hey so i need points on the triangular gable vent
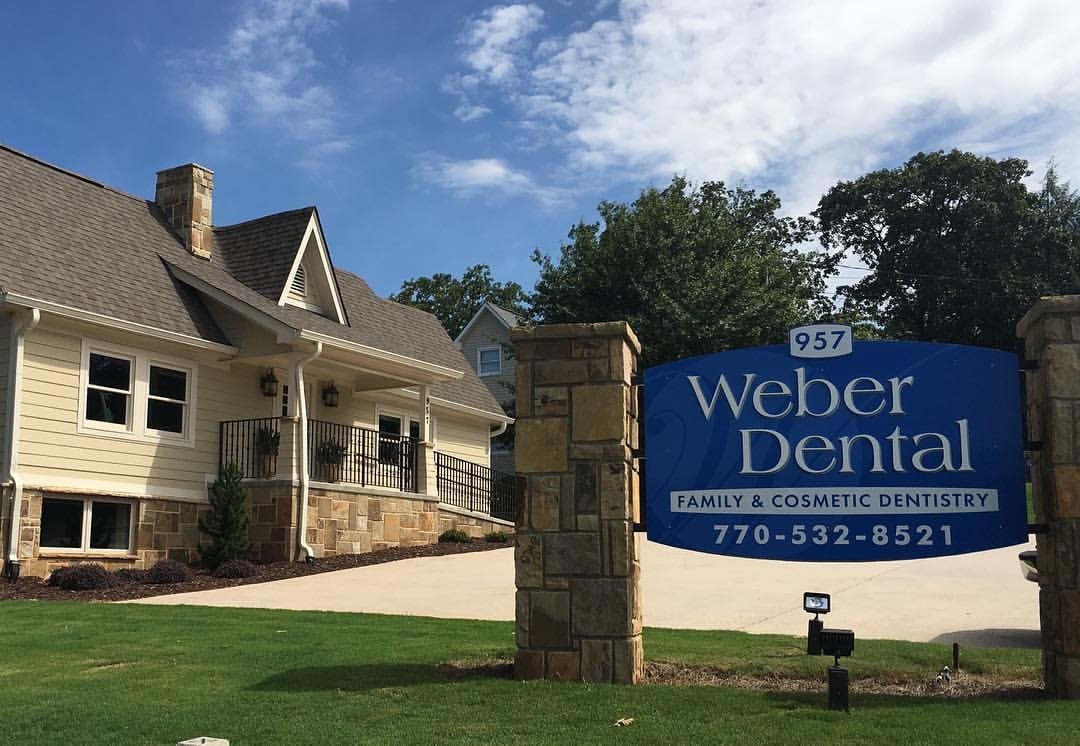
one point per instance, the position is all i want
(299, 283)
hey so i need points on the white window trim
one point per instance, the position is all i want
(479, 353)
(136, 428)
(406, 418)
(84, 548)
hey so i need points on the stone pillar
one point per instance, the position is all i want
(577, 559)
(1051, 334)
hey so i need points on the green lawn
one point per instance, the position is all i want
(96, 673)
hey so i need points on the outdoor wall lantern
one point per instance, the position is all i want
(268, 383)
(330, 395)
(834, 642)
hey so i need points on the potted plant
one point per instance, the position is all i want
(267, 441)
(330, 454)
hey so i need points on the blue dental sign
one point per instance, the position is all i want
(826, 449)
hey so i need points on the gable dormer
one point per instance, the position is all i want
(284, 258)
(310, 283)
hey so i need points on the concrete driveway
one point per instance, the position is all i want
(975, 599)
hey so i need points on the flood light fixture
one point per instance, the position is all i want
(815, 603)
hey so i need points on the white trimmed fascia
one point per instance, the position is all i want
(111, 322)
(453, 406)
(438, 372)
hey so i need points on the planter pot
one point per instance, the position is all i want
(268, 465)
(332, 472)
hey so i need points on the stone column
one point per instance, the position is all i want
(1051, 333)
(577, 558)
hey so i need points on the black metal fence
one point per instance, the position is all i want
(464, 484)
(250, 444)
(356, 455)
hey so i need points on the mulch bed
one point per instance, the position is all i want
(31, 588)
(961, 685)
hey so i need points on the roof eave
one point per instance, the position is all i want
(423, 371)
(58, 309)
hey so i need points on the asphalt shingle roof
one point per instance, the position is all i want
(260, 252)
(509, 318)
(69, 240)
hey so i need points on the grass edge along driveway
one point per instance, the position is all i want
(89, 673)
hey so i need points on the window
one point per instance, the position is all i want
(128, 394)
(167, 401)
(86, 525)
(108, 389)
(390, 437)
(489, 361)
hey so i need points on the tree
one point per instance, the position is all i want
(226, 523)
(454, 302)
(693, 269)
(957, 246)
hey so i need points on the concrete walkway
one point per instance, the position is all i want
(975, 599)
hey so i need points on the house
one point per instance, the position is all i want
(142, 348)
(485, 343)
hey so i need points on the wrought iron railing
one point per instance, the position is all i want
(356, 455)
(250, 444)
(464, 484)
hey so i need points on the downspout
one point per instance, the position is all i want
(21, 325)
(502, 429)
(301, 398)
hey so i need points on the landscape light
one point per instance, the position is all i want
(834, 642)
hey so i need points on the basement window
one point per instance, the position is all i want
(86, 525)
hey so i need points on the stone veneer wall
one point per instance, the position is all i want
(577, 570)
(340, 521)
(165, 529)
(348, 521)
(1051, 333)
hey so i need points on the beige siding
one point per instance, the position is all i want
(455, 434)
(54, 453)
(5, 333)
(487, 332)
(462, 438)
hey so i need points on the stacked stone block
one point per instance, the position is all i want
(1051, 334)
(577, 564)
(339, 522)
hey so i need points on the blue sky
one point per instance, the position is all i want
(433, 136)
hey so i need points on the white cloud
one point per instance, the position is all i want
(496, 47)
(482, 176)
(495, 40)
(794, 94)
(471, 112)
(265, 75)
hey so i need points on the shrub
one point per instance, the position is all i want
(168, 571)
(330, 452)
(496, 537)
(84, 577)
(267, 441)
(455, 535)
(129, 575)
(227, 522)
(236, 568)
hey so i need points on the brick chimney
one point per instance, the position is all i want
(185, 194)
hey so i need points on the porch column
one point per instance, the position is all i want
(426, 482)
